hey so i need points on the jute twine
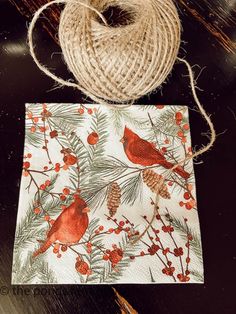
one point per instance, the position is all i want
(117, 65)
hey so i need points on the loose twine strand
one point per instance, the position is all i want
(116, 66)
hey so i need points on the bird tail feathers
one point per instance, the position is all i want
(43, 248)
(179, 170)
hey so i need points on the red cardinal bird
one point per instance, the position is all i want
(140, 151)
(69, 227)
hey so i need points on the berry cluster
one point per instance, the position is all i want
(82, 267)
(82, 109)
(182, 127)
(114, 256)
(190, 202)
(157, 248)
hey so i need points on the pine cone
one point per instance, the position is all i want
(113, 198)
(154, 182)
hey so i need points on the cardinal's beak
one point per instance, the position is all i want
(85, 210)
(122, 140)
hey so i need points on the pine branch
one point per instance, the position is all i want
(94, 259)
(195, 244)
(33, 225)
(122, 117)
(132, 189)
(151, 275)
(60, 112)
(165, 125)
(99, 125)
(69, 139)
(94, 193)
(33, 139)
(31, 270)
(129, 248)
(197, 275)
(146, 107)
(109, 168)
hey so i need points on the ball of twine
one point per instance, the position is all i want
(116, 64)
(122, 63)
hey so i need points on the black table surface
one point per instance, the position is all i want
(21, 82)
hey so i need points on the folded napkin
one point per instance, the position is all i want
(88, 190)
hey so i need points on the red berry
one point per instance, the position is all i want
(62, 197)
(178, 116)
(26, 165)
(105, 257)
(166, 251)
(181, 204)
(47, 182)
(184, 139)
(186, 127)
(66, 191)
(42, 187)
(121, 223)
(89, 250)
(53, 134)
(159, 106)
(180, 134)
(42, 129)
(90, 111)
(92, 138)
(37, 211)
(47, 217)
(188, 260)
(70, 160)
(101, 228)
(187, 196)
(115, 256)
(190, 237)
(81, 111)
(188, 206)
(30, 115)
(33, 129)
(178, 251)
